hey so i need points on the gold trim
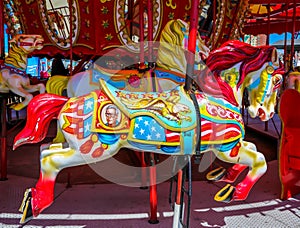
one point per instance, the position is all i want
(221, 142)
(106, 129)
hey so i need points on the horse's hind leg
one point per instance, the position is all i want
(53, 160)
(226, 175)
(230, 174)
(246, 156)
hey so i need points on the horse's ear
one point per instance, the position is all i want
(15, 39)
(12, 40)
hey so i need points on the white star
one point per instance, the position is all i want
(153, 128)
(89, 104)
(86, 127)
(146, 122)
(136, 125)
(148, 137)
(133, 136)
(157, 135)
(140, 118)
(142, 131)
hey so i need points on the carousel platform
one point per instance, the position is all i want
(111, 205)
(83, 199)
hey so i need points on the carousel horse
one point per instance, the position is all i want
(13, 72)
(161, 122)
(171, 57)
(293, 80)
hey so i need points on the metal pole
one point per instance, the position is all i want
(285, 39)
(268, 30)
(141, 20)
(71, 36)
(293, 34)
(268, 42)
(3, 140)
(2, 54)
(153, 192)
(150, 31)
(191, 45)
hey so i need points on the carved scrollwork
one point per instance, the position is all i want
(56, 21)
(127, 21)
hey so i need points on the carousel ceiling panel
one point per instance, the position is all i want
(90, 27)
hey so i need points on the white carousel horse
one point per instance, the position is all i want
(144, 118)
(13, 72)
(171, 57)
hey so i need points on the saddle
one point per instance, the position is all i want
(173, 109)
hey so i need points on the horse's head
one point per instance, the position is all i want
(28, 43)
(262, 88)
(174, 44)
(236, 66)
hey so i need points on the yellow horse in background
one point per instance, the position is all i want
(13, 72)
(170, 57)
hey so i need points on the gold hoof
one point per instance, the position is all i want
(216, 174)
(225, 194)
(26, 209)
(25, 198)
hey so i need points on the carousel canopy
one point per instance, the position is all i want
(94, 27)
(272, 16)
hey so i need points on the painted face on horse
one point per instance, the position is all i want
(263, 90)
(28, 43)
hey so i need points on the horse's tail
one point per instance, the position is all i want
(57, 84)
(40, 111)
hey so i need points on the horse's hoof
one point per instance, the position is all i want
(17, 107)
(225, 194)
(27, 194)
(26, 209)
(216, 174)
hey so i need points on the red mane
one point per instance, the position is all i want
(225, 57)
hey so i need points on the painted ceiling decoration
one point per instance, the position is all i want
(94, 27)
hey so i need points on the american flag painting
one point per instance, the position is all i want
(146, 128)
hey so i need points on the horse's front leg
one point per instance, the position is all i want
(245, 156)
(23, 88)
(33, 88)
(16, 87)
(53, 159)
